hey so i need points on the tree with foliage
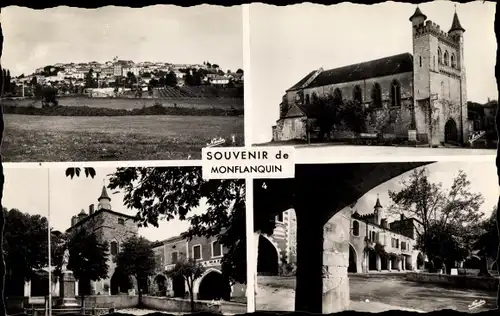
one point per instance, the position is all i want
(138, 259)
(437, 211)
(189, 270)
(171, 79)
(487, 241)
(57, 247)
(89, 79)
(25, 248)
(239, 71)
(88, 257)
(49, 96)
(182, 190)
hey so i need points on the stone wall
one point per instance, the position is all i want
(178, 305)
(460, 281)
(110, 230)
(291, 129)
(111, 301)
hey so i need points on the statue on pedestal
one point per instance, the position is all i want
(67, 284)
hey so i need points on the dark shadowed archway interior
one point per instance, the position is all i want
(160, 285)
(214, 286)
(120, 282)
(450, 132)
(178, 286)
(267, 258)
(352, 260)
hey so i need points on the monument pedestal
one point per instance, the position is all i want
(67, 292)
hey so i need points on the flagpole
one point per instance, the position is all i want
(49, 246)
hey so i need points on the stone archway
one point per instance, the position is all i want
(160, 285)
(353, 259)
(214, 286)
(178, 286)
(120, 282)
(267, 258)
(451, 132)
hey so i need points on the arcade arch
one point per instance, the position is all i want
(214, 286)
(267, 257)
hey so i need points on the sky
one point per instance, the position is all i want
(27, 189)
(288, 42)
(483, 178)
(163, 33)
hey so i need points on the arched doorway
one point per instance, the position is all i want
(40, 283)
(160, 285)
(267, 258)
(178, 286)
(451, 132)
(352, 260)
(214, 286)
(120, 282)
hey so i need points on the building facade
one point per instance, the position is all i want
(420, 97)
(110, 226)
(209, 253)
(374, 244)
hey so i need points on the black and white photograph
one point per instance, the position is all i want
(383, 79)
(118, 83)
(128, 240)
(374, 237)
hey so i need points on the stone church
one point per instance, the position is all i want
(418, 98)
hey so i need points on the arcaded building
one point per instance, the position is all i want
(420, 96)
(209, 253)
(375, 244)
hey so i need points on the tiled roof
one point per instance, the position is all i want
(301, 82)
(456, 26)
(370, 69)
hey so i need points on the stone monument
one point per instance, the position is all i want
(67, 282)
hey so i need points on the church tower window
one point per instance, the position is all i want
(440, 56)
(445, 57)
(337, 96)
(420, 60)
(453, 61)
(357, 94)
(395, 93)
(377, 96)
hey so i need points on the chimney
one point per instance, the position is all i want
(74, 220)
(91, 209)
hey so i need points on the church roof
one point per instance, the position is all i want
(299, 84)
(104, 194)
(370, 69)
(455, 25)
(418, 14)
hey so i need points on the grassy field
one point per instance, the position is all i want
(30, 138)
(134, 103)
